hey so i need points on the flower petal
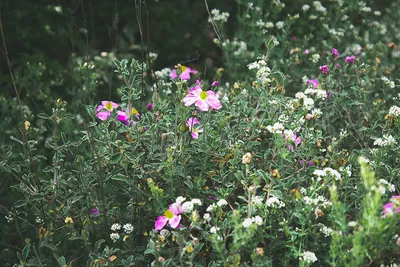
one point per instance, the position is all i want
(202, 105)
(185, 75)
(174, 222)
(160, 223)
(103, 115)
(173, 74)
(190, 99)
(213, 101)
(176, 208)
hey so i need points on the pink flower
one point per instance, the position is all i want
(294, 38)
(350, 60)
(203, 99)
(215, 83)
(306, 52)
(103, 111)
(324, 69)
(335, 53)
(314, 83)
(337, 65)
(388, 208)
(194, 131)
(122, 116)
(185, 75)
(150, 107)
(171, 216)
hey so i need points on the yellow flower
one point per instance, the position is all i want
(69, 220)
(27, 125)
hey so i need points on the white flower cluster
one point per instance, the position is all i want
(275, 203)
(390, 187)
(327, 172)
(263, 71)
(326, 231)
(188, 206)
(308, 102)
(279, 25)
(315, 58)
(214, 229)
(318, 7)
(395, 111)
(163, 74)
(320, 200)
(249, 221)
(319, 93)
(308, 257)
(276, 128)
(315, 114)
(388, 82)
(257, 200)
(128, 228)
(386, 140)
(219, 17)
(153, 56)
(114, 236)
(115, 227)
(305, 8)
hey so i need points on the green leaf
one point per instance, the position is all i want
(98, 244)
(44, 116)
(120, 177)
(115, 158)
(25, 252)
(264, 175)
(20, 204)
(16, 140)
(189, 184)
(61, 260)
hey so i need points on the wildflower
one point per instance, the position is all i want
(247, 222)
(115, 227)
(114, 236)
(337, 65)
(324, 69)
(68, 220)
(187, 206)
(305, 7)
(313, 82)
(222, 202)
(350, 60)
(197, 201)
(306, 52)
(246, 158)
(207, 217)
(103, 111)
(125, 238)
(259, 251)
(215, 83)
(149, 107)
(122, 116)
(202, 99)
(194, 131)
(335, 52)
(185, 75)
(180, 199)
(95, 212)
(258, 220)
(27, 125)
(308, 257)
(171, 216)
(391, 207)
(214, 229)
(128, 228)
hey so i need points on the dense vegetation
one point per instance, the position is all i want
(199, 133)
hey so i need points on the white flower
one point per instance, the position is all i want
(258, 220)
(114, 237)
(279, 25)
(275, 203)
(222, 202)
(269, 25)
(386, 140)
(214, 229)
(115, 227)
(308, 257)
(352, 224)
(128, 228)
(315, 58)
(247, 222)
(207, 217)
(308, 103)
(197, 201)
(326, 231)
(276, 128)
(180, 199)
(257, 200)
(395, 111)
(319, 173)
(212, 207)
(187, 206)
(305, 8)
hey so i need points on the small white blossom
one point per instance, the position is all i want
(128, 228)
(180, 199)
(222, 202)
(308, 257)
(115, 227)
(207, 217)
(247, 222)
(258, 220)
(187, 206)
(214, 229)
(114, 236)
(197, 201)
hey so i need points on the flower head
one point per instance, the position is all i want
(194, 131)
(350, 59)
(171, 216)
(95, 211)
(185, 74)
(313, 82)
(150, 107)
(202, 99)
(335, 53)
(103, 111)
(324, 69)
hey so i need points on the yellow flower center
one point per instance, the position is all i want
(135, 111)
(109, 106)
(203, 95)
(168, 214)
(183, 68)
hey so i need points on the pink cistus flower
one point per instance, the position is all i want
(122, 116)
(306, 52)
(391, 207)
(191, 124)
(335, 53)
(215, 83)
(294, 138)
(350, 59)
(185, 74)
(324, 69)
(313, 82)
(202, 99)
(103, 111)
(171, 216)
